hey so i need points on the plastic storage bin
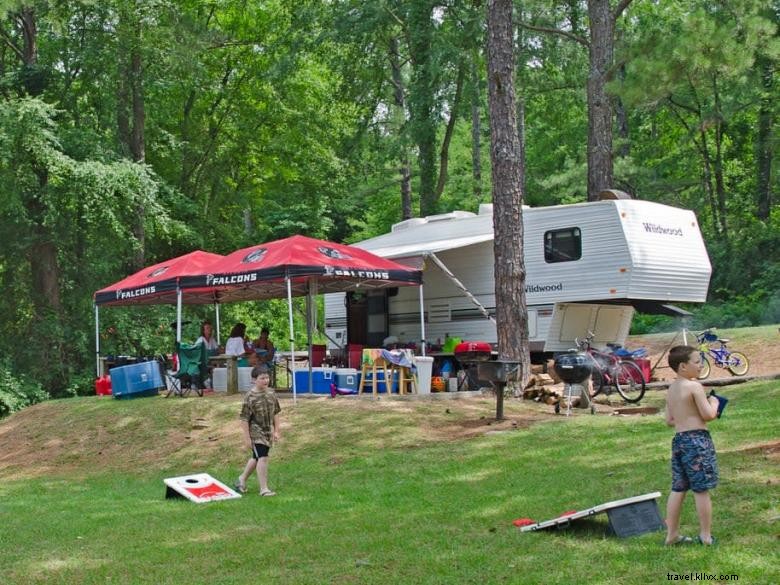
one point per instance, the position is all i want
(219, 379)
(136, 380)
(322, 378)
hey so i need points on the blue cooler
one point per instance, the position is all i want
(322, 378)
(380, 382)
(347, 379)
(136, 380)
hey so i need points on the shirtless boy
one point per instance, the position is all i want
(694, 465)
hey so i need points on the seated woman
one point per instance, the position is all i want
(207, 338)
(237, 344)
(264, 348)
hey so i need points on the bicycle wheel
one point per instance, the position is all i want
(630, 382)
(597, 378)
(704, 372)
(738, 363)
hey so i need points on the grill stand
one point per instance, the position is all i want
(497, 373)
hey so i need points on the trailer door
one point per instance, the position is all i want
(367, 319)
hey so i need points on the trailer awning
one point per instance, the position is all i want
(422, 249)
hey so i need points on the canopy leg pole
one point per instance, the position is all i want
(308, 337)
(97, 341)
(422, 321)
(216, 315)
(292, 339)
(178, 315)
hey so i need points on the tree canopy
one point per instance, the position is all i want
(132, 131)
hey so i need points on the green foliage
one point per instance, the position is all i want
(17, 391)
(267, 119)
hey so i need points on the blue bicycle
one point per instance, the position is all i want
(735, 362)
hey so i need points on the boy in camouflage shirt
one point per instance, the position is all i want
(260, 424)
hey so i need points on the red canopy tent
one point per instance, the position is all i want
(262, 271)
(298, 266)
(157, 284)
(293, 266)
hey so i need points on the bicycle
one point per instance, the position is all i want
(609, 371)
(735, 362)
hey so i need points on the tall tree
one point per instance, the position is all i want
(131, 109)
(700, 79)
(509, 266)
(765, 150)
(600, 44)
(422, 99)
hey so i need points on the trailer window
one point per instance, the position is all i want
(562, 245)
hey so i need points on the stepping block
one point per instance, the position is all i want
(627, 517)
(199, 488)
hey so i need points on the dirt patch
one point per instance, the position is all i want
(764, 357)
(471, 427)
(770, 450)
(51, 439)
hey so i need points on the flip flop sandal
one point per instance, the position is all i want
(681, 540)
(240, 487)
(267, 493)
(712, 542)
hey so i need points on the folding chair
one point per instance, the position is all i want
(192, 372)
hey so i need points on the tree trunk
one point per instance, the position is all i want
(707, 178)
(131, 113)
(509, 267)
(621, 116)
(520, 106)
(599, 104)
(476, 130)
(421, 101)
(400, 103)
(29, 25)
(138, 140)
(44, 266)
(720, 186)
(445, 143)
(764, 145)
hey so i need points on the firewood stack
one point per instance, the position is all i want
(545, 386)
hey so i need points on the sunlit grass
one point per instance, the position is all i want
(378, 492)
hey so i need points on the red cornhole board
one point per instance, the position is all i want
(628, 517)
(199, 488)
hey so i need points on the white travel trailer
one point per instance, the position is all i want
(589, 266)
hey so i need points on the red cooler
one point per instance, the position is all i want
(354, 355)
(317, 355)
(644, 365)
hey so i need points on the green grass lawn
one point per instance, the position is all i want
(367, 496)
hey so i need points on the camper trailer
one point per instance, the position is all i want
(589, 267)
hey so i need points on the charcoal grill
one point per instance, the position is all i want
(475, 356)
(574, 368)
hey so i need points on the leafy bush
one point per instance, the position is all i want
(18, 391)
(644, 324)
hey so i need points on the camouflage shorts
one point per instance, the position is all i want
(694, 465)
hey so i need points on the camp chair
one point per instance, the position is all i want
(192, 372)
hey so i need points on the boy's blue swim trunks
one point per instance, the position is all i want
(694, 465)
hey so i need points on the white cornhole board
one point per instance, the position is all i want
(627, 517)
(199, 488)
